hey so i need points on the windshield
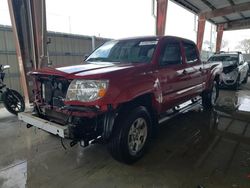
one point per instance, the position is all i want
(224, 58)
(135, 51)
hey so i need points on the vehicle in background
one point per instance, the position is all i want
(12, 100)
(122, 92)
(235, 68)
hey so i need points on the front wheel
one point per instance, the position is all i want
(131, 136)
(13, 101)
(210, 97)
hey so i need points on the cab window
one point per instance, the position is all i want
(191, 52)
(171, 54)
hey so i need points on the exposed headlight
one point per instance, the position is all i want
(86, 90)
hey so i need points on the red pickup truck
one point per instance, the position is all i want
(120, 91)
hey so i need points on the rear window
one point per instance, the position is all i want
(191, 52)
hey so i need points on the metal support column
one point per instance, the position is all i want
(161, 17)
(220, 29)
(200, 33)
(28, 19)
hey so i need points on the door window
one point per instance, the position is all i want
(191, 52)
(171, 54)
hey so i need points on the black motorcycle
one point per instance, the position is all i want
(12, 100)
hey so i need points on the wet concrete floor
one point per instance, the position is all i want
(206, 149)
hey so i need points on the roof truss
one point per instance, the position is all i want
(236, 8)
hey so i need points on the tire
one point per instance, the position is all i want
(122, 143)
(245, 79)
(13, 101)
(210, 97)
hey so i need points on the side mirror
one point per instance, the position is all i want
(6, 67)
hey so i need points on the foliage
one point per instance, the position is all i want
(244, 45)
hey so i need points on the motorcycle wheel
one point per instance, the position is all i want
(13, 101)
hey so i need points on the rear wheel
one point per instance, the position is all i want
(131, 136)
(13, 101)
(210, 97)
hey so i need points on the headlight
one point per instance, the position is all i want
(232, 75)
(86, 90)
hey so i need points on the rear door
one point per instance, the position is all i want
(194, 68)
(172, 75)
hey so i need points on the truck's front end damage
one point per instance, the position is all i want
(86, 98)
(54, 113)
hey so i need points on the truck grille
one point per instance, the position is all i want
(54, 91)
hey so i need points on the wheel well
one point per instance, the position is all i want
(217, 78)
(143, 100)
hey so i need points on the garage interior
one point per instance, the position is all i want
(195, 149)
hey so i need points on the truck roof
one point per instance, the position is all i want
(173, 38)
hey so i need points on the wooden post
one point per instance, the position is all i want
(220, 29)
(200, 33)
(161, 17)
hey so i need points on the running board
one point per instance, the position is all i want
(182, 108)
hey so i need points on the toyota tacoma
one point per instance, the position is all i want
(119, 93)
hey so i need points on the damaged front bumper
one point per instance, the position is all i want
(76, 128)
(228, 79)
(53, 128)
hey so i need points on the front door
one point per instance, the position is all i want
(172, 74)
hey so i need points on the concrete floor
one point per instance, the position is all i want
(191, 150)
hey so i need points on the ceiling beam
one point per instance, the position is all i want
(237, 24)
(232, 3)
(187, 5)
(226, 10)
(208, 4)
(213, 8)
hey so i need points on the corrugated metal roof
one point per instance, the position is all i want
(201, 6)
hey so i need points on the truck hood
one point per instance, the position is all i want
(86, 69)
